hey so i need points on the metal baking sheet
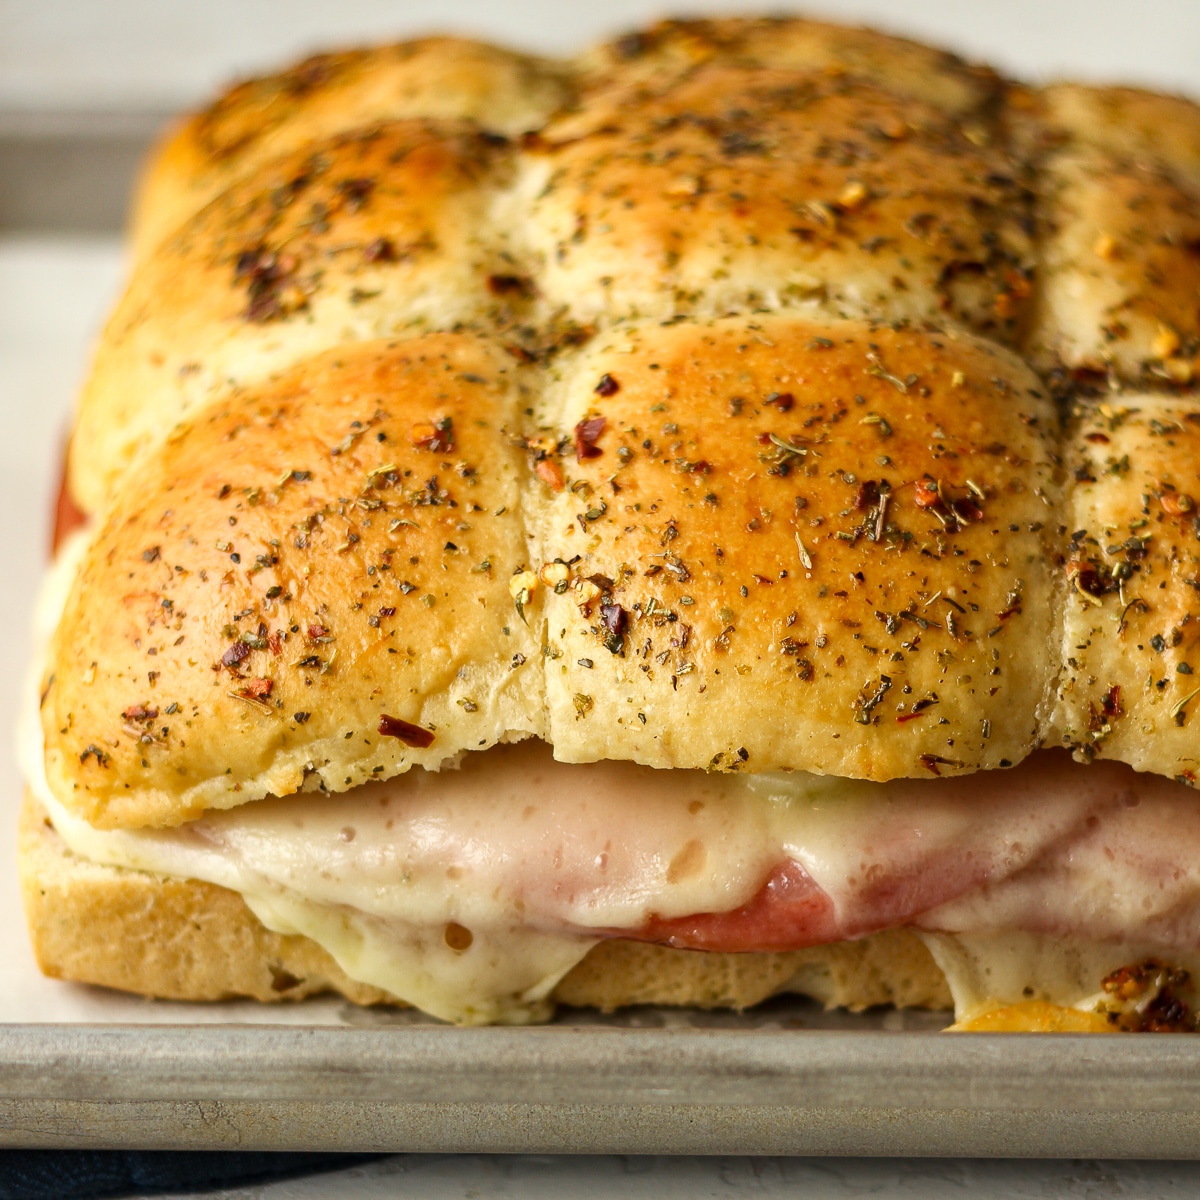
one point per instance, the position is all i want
(82, 1067)
(71, 171)
(591, 1088)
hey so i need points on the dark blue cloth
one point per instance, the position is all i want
(91, 1174)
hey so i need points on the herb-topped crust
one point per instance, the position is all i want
(1130, 685)
(309, 586)
(370, 234)
(439, 77)
(761, 481)
(789, 543)
(738, 187)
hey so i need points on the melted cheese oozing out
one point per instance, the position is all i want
(537, 859)
(471, 892)
(993, 969)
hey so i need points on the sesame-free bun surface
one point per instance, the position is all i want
(717, 165)
(443, 78)
(1130, 684)
(298, 563)
(747, 187)
(787, 544)
(1119, 214)
(824, 545)
(377, 233)
(707, 213)
(504, 92)
(647, 58)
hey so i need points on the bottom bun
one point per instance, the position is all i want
(186, 940)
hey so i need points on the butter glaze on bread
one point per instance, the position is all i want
(1131, 641)
(888, 537)
(371, 234)
(444, 78)
(301, 561)
(1117, 207)
(757, 504)
(749, 187)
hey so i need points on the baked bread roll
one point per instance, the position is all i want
(787, 427)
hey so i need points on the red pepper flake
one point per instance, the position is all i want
(235, 654)
(548, 472)
(1176, 504)
(904, 718)
(613, 617)
(380, 250)
(953, 513)
(520, 353)
(926, 493)
(867, 495)
(409, 734)
(510, 285)
(586, 434)
(437, 436)
(607, 386)
(1100, 439)
(784, 401)
(388, 611)
(257, 689)
(931, 762)
(1112, 701)
(355, 192)
(318, 633)
(1089, 581)
(966, 510)
(275, 641)
(139, 712)
(265, 275)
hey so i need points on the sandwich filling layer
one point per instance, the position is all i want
(471, 892)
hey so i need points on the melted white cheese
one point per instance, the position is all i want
(993, 969)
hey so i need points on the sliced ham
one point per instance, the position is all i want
(717, 862)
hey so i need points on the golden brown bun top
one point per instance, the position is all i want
(440, 77)
(507, 93)
(293, 567)
(908, 67)
(746, 544)
(724, 166)
(372, 233)
(1119, 207)
(1130, 686)
(826, 545)
(763, 480)
(737, 187)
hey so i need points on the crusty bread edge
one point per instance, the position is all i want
(185, 940)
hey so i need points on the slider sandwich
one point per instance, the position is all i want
(711, 518)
